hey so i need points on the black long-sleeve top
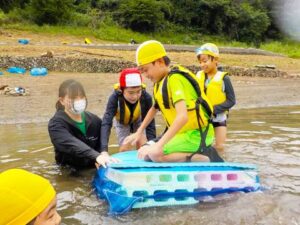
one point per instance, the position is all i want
(111, 110)
(71, 146)
(230, 97)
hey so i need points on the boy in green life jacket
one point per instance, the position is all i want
(176, 93)
(218, 88)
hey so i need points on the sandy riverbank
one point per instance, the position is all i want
(39, 105)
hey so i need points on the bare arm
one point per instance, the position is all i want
(132, 139)
(180, 120)
(149, 117)
(156, 150)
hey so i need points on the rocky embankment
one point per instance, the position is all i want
(96, 65)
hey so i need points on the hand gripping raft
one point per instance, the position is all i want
(134, 183)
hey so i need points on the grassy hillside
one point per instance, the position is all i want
(116, 34)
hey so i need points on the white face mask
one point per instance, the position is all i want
(78, 106)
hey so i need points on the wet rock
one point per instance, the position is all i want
(48, 54)
(266, 66)
(2, 87)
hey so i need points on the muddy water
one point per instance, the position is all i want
(268, 137)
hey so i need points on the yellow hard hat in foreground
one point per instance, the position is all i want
(23, 196)
(149, 51)
(208, 49)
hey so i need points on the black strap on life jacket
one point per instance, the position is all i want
(205, 79)
(200, 102)
(175, 70)
(194, 83)
(202, 147)
(208, 151)
(122, 102)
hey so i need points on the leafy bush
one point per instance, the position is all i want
(140, 15)
(16, 15)
(249, 21)
(252, 23)
(239, 20)
(107, 4)
(79, 19)
(50, 11)
(8, 5)
(2, 17)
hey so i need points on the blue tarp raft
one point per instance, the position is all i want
(134, 183)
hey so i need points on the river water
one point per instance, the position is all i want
(267, 137)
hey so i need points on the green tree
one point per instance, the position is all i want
(7, 5)
(50, 11)
(111, 5)
(252, 23)
(273, 31)
(245, 20)
(140, 15)
(185, 12)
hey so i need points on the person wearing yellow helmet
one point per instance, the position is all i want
(218, 88)
(26, 198)
(177, 95)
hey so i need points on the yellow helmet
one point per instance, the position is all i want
(149, 51)
(208, 49)
(23, 196)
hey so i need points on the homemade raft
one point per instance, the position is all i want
(134, 183)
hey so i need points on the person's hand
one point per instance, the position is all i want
(143, 152)
(147, 152)
(104, 159)
(132, 139)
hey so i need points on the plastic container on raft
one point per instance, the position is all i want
(23, 41)
(137, 184)
(42, 71)
(17, 70)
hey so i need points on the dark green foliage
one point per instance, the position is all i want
(140, 15)
(7, 5)
(237, 19)
(250, 21)
(108, 4)
(50, 11)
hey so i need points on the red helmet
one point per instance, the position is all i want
(130, 77)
